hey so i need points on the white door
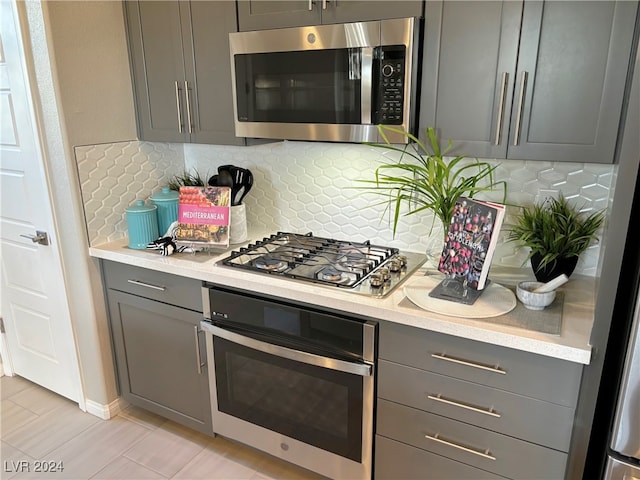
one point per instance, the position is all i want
(39, 336)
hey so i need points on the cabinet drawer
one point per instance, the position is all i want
(164, 287)
(522, 417)
(396, 460)
(525, 373)
(468, 444)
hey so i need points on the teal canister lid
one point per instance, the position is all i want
(142, 224)
(167, 203)
(165, 195)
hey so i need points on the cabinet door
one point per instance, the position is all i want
(160, 355)
(572, 71)
(470, 54)
(155, 44)
(206, 27)
(344, 11)
(262, 15)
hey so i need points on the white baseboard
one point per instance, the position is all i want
(104, 412)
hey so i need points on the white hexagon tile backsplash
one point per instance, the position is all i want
(312, 187)
(113, 176)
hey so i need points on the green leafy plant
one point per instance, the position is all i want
(186, 179)
(424, 179)
(555, 229)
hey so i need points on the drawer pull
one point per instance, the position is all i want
(439, 398)
(148, 285)
(494, 369)
(485, 454)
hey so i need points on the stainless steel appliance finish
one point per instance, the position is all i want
(360, 268)
(291, 380)
(624, 455)
(326, 82)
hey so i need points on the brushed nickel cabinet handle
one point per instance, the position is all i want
(446, 358)
(523, 85)
(503, 91)
(178, 109)
(148, 285)
(188, 102)
(196, 332)
(485, 454)
(310, 5)
(466, 406)
(324, 4)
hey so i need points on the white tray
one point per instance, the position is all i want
(495, 300)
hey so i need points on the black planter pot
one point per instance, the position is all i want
(564, 265)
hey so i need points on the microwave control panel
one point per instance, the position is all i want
(390, 85)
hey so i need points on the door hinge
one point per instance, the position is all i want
(2, 325)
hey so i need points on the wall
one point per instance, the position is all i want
(63, 36)
(310, 186)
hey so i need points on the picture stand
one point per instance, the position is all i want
(455, 289)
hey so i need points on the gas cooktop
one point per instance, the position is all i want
(356, 267)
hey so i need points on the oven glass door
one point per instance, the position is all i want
(308, 86)
(315, 405)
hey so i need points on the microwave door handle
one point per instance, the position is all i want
(361, 369)
(366, 85)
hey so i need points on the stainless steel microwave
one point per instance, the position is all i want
(333, 83)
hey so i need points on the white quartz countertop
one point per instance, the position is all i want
(572, 344)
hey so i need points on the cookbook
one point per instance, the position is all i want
(203, 216)
(471, 240)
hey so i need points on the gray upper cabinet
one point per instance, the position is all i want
(527, 80)
(181, 70)
(261, 15)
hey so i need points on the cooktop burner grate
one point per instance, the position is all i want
(359, 267)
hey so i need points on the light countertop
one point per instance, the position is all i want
(572, 344)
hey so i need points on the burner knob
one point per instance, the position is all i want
(402, 259)
(395, 265)
(384, 272)
(376, 280)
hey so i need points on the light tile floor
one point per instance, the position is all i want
(37, 425)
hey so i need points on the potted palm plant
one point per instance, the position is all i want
(556, 233)
(423, 179)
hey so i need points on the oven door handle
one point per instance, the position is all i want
(361, 369)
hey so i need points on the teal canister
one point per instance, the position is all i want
(142, 224)
(167, 203)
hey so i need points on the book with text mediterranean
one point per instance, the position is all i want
(471, 240)
(203, 216)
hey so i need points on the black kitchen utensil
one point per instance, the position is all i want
(247, 183)
(239, 176)
(229, 172)
(225, 179)
(213, 181)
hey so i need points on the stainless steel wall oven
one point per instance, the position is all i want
(292, 380)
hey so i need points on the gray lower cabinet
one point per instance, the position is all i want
(527, 80)
(159, 348)
(261, 15)
(179, 55)
(453, 408)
